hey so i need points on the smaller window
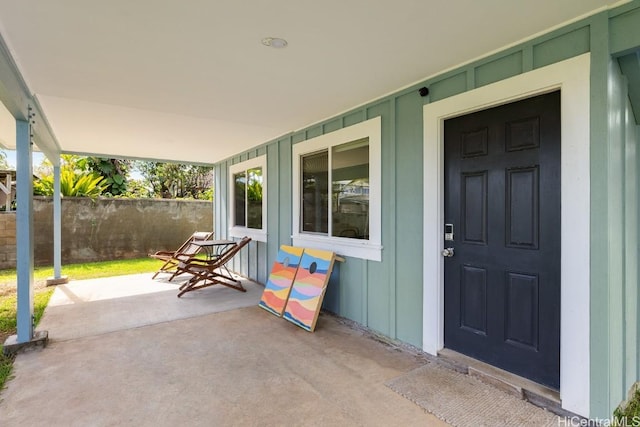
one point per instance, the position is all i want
(247, 210)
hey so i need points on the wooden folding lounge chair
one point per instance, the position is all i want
(212, 272)
(213, 249)
(184, 253)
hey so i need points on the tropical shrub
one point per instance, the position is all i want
(73, 183)
(115, 172)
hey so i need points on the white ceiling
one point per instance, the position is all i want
(190, 80)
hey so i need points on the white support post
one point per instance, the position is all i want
(24, 231)
(57, 225)
(58, 278)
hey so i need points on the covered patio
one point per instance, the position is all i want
(126, 351)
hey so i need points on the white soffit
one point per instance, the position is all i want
(191, 80)
(7, 128)
(115, 130)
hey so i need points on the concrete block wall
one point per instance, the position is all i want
(7, 239)
(106, 229)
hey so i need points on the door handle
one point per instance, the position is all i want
(447, 252)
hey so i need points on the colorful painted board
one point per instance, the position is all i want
(276, 292)
(309, 287)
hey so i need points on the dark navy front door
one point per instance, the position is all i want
(502, 198)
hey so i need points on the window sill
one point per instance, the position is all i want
(345, 247)
(240, 232)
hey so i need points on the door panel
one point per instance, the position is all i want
(522, 310)
(474, 207)
(474, 289)
(502, 193)
(522, 207)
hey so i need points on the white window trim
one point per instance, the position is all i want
(572, 77)
(367, 249)
(240, 231)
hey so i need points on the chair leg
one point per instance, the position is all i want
(193, 285)
(166, 268)
(237, 285)
(189, 284)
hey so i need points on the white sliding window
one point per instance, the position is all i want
(336, 180)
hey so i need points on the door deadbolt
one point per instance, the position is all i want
(448, 232)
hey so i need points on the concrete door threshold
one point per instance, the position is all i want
(508, 382)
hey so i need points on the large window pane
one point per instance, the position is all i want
(240, 180)
(254, 198)
(350, 189)
(315, 192)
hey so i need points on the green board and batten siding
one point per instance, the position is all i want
(387, 296)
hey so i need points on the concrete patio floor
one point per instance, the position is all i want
(126, 351)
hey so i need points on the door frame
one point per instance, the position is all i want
(572, 78)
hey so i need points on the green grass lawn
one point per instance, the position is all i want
(90, 270)
(8, 310)
(8, 325)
